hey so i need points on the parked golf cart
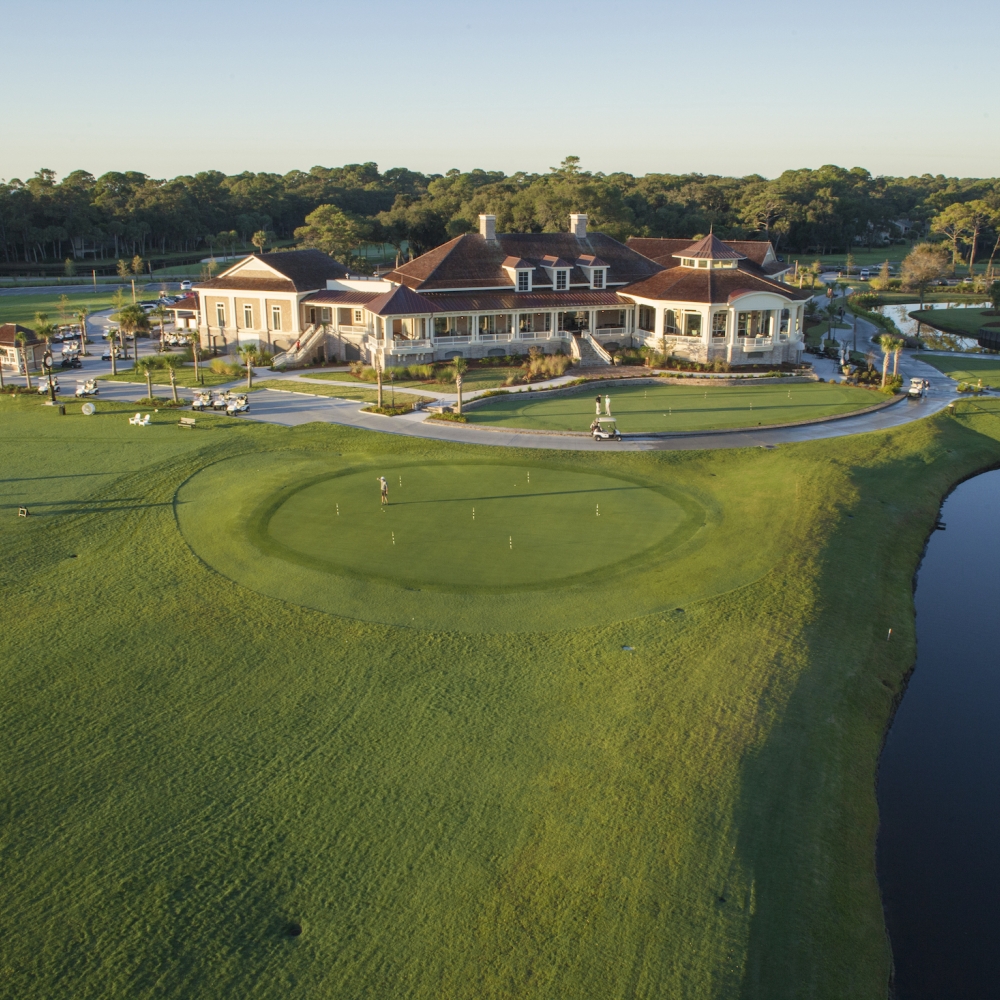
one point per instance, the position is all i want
(71, 362)
(238, 404)
(88, 388)
(221, 401)
(605, 429)
(43, 384)
(202, 401)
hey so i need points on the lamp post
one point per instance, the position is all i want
(47, 366)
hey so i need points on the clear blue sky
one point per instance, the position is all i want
(716, 86)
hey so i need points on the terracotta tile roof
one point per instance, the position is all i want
(686, 284)
(710, 248)
(524, 301)
(589, 260)
(663, 251)
(9, 332)
(469, 261)
(306, 270)
(550, 261)
(517, 263)
(342, 297)
(187, 304)
(401, 301)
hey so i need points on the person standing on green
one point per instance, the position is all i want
(383, 489)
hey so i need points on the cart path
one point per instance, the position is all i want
(291, 408)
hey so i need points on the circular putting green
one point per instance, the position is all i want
(473, 546)
(669, 405)
(456, 527)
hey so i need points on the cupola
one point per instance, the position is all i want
(709, 253)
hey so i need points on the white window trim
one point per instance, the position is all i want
(276, 318)
(523, 276)
(247, 311)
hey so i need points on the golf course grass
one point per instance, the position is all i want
(183, 376)
(359, 392)
(22, 308)
(963, 368)
(472, 381)
(670, 406)
(222, 778)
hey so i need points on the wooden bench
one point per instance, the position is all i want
(187, 422)
(22, 511)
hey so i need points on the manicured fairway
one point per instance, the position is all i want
(963, 322)
(22, 308)
(360, 392)
(964, 368)
(641, 765)
(676, 407)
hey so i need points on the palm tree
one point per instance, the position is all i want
(378, 378)
(81, 317)
(249, 355)
(160, 312)
(888, 344)
(193, 339)
(22, 341)
(461, 367)
(896, 351)
(131, 320)
(259, 239)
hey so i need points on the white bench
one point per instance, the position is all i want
(187, 422)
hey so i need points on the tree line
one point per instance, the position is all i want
(341, 209)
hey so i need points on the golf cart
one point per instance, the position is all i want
(918, 386)
(238, 404)
(221, 401)
(202, 401)
(70, 362)
(88, 388)
(43, 384)
(605, 429)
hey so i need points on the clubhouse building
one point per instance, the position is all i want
(485, 293)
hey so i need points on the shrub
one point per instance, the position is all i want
(457, 418)
(222, 367)
(390, 411)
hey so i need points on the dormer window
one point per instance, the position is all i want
(524, 281)
(687, 262)
(703, 263)
(562, 281)
(598, 279)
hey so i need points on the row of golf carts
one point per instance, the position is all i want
(231, 402)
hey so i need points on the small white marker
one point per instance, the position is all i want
(889, 636)
(529, 477)
(394, 538)
(473, 513)
(511, 540)
(400, 482)
(598, 510)
(338, 510)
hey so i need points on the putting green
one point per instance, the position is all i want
(546, 539)
(672, 406)
(491, 527)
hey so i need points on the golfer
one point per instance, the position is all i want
(383, 489)
(597, 405)
(607, 405)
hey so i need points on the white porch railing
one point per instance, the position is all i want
(353, 330)
(496, 338)
(610, 331)
(408, 346)
(755, 343)
(312, 335)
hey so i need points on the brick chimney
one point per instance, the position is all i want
(488, 227)
(577, 225)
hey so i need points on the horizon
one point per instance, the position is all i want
(609, 89)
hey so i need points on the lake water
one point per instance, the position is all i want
(939, 782)
(900, 315)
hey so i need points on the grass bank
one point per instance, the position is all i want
(183, 376)
(963, 368)
(676, 407)
(587, 804)
(963, 322)
(358, 392)
(473, 380)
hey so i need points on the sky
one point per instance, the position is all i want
(709, 86)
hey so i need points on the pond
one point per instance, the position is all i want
(939, 778)
(899, 313)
